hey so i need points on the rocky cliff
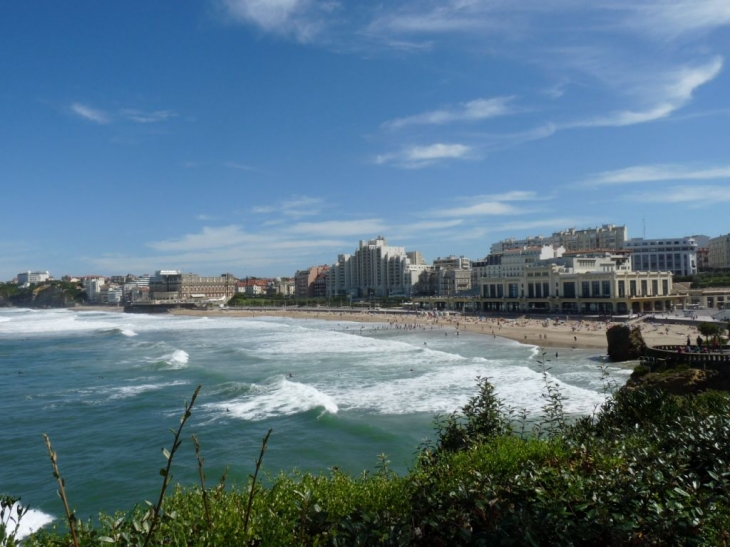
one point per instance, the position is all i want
(681, 381)
(44, 296)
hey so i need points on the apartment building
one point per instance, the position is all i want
(676, 255)
(718, 251)
(608, 236)
(304, 281)
(375, 269)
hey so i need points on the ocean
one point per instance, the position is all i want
(108, 387)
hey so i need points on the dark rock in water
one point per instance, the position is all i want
(625, 343)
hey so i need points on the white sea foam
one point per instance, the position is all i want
(279, 398)
(124, 392)
(32, 521)
(177, 359)
(129, 332)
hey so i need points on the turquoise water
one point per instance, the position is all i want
(107, 388)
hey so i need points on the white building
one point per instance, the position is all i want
(95, 288)
(608, 237)
(29, 278)
(375, 269)
(512, 262)
(581, 283)
(676, 255)
(719, 252)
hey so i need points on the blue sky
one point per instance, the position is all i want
(259, 137)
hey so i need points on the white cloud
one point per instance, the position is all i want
(490, 205)
(691, 195)
(656, 173)
(296, 206)
(340, 227)
(668, 91)
(209, 238)
(669, 19)
(89, 113)
(478, 109)
(484, 208)
(559, 223)
(303, 19)
(415, 157)
(156, 116)
(515, 195)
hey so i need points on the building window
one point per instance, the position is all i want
(585, 289)
(596, 288)
(569, 289)
(665, 287)
(606, 288)
(644, 291)
(632, 287)
(654, 287)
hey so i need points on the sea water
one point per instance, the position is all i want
(108, 387)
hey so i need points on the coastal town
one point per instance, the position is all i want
(594, 271)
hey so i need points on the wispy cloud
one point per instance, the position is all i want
(340, 227)
(486, 208)
(656, 173)
(489, 205)
(695, 195)
(671, 19)
(478, 109)
(155, 116)
(554, 223)
(91, 114)
(415, 157)
(301, 19)
(246, 167)
(297, 206)
(138, 116)
(669, 91)
(208, 238)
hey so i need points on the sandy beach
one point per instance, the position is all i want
(549, 333)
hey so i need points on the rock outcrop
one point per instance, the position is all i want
(681, 381)
(44, 296)
(625, 343)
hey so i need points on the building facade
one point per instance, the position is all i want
(172, 285)
(608, 237)
(304, 281)
(29, 278)
(580, 283)
(375, 269)
(718, 251)
(677, 255)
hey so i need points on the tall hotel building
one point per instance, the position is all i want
(375, 269)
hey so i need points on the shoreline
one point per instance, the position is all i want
(564, 334)
(558, 334)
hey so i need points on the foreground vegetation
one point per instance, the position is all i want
(647, 468)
